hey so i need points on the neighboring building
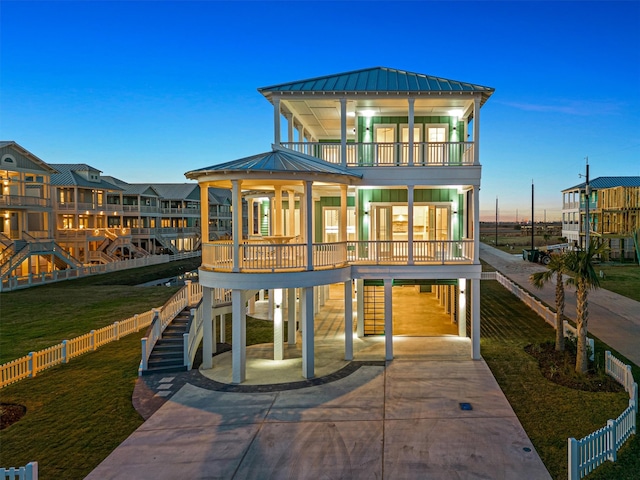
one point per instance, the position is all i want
(376, 186)
(87, 225)
(26, 230)
(70, 217)
(614, 214)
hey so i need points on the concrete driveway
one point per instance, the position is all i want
(399, 420)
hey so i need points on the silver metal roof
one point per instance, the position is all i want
(278, 160)
(377, 79)
(67, 176)
(607, 182)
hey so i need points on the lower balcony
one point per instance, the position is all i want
(263, 257)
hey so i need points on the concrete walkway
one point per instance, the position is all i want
(364, 419)
(613, 318)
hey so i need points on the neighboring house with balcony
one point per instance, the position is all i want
(374, 186)
(87, 225)
(27, 245)
(614, 214)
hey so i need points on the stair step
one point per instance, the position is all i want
(164, 362)
(166, 355)
(151, 371)
(161, 347)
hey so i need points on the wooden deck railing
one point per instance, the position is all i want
(270, 257)
(370, 154)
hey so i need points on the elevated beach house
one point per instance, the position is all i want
(372, 182)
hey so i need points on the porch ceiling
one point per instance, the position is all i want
(321, 117)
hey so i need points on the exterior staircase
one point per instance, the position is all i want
(168, 354)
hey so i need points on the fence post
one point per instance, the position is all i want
(116, 331)
(572, 469)
(628, 380)
(32, 471)
(64, 351)
(143, 363)
(32, 364)
(93, 340)
(187, 284)
(186, 357)
(607, 362)
(611, 441)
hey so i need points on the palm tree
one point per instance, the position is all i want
(585, 278)
(555, 268)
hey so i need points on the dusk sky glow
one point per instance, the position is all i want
(145, 91)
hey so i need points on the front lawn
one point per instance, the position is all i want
(550, 413)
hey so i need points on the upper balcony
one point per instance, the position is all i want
(380, 117)
(389, 154)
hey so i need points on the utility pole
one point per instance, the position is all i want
(586, 227)
(496, 221)
(586, 206)
(533, 223)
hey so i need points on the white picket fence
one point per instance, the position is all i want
(586, 454)
(537, 306)
(28, 472)
(33, 363)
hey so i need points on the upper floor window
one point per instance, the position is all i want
(8, 159)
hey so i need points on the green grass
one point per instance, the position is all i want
(78, 413)
(548, 412)
(622, 279)
(36, 318)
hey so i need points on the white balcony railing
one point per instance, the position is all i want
(389, 154)
(271, 257)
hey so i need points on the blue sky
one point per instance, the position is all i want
(146, 91)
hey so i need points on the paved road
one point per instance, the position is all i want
(614, 319)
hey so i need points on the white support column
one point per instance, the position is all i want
(308, 203)
(476, 130)
(388, 319)
(360, 308)
(251, 307)
(462, 308)
(278, 327)
(348, 321)
(239, 338)
(261, 295)
(223, 329)
(410, 219)
(307, 333)
(475, 319)
(270, 305)
(277, 211)
(290, 121)
(251, 220)
(321, 295)
(276, 121)
(204, 213)
(236, 203)
(208, 336)
(291, 316)
(343, 213)
(343, 132)
(411, 126)
(292, 213)
(476, 225)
